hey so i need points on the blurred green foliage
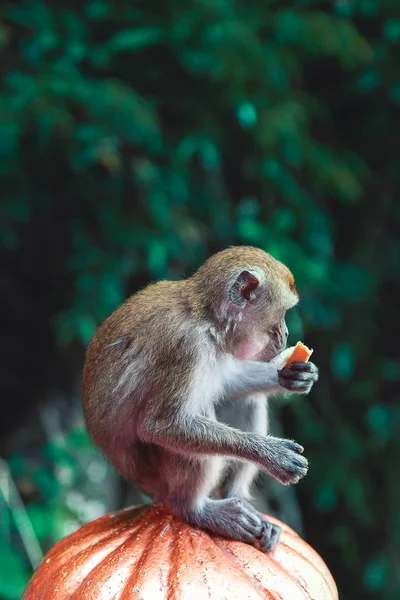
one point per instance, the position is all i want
(55, 505)
(141, 136)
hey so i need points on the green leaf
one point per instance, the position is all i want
(47, 483)
(15, 574)
(343, 361)
(326, 497)
(375, 574)
(247, 115)
(78, 439)
(378, 419)
(369, 81)
(249, 230)
(97, 9)
(86, 327)
(135, 39)
(39, 517)
(391, 30)
(390, 370)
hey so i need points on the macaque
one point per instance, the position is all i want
(159, 366)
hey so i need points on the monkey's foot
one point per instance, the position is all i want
(237, 520)
(270, 536)
(271, 531)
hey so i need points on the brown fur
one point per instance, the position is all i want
(157, 367)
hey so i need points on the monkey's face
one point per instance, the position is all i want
(269, 311)
(260, 331)
(262, 342)
(247, 293)
(276, 340)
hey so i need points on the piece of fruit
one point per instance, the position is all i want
(300, 354)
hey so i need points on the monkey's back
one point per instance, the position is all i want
(137, 357)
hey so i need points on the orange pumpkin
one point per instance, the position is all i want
(145, 553)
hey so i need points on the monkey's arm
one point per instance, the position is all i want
(249, 376)
(200, 435)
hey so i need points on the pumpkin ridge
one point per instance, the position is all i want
(174, 553)
(90, 544)
(65, 557)
(86, 531)
(320, 572)
(253, 581)
(152, 526)
(137, 527)
(291, 576)
(133, 529)
(106, 558)
(193, 547)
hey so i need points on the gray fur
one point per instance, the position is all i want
(156, 373)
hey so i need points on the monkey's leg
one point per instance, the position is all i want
(230, 517)
(248, 414)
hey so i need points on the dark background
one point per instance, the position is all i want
(136, 138)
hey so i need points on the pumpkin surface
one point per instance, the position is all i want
(145, 553)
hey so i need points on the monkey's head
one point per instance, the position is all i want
(246, 293)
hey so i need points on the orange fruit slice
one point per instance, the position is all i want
(300, 354)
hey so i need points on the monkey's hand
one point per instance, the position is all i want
(299, 378)
(284, 460)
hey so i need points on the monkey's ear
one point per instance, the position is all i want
(243, 289)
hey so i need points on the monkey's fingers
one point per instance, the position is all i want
(233, 518)
(298, 380)
(292, 472)
(298, 375)
(269, 536)
(292, 385)
(292, 445)
(307, 367)
(288, 464)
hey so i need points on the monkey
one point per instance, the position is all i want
(157, 369)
